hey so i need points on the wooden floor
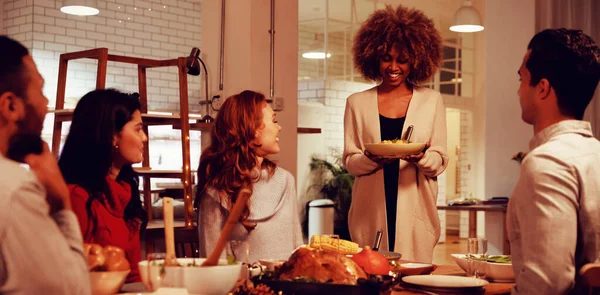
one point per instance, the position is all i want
(453, 245)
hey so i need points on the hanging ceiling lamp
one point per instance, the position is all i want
(80, 7)
(316, 51)
(467, 19)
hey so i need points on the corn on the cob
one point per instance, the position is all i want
(333, 244)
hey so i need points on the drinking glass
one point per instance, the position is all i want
(160, 276)
(476, 257)
(240, 251)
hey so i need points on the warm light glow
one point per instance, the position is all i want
(79, 10)
(315, 55)
(160, 113)
(466, 28)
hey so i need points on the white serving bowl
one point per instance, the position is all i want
(497, 272)
(394, 150)
(107, 282)
(209, 280)
(412, 269)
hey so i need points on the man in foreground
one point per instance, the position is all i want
(554, 212)
(41, 248)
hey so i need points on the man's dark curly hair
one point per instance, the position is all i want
(414, 33)
(570, 61)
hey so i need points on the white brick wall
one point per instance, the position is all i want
(155, 29)
(333, 95)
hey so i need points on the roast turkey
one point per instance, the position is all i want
(321, 266)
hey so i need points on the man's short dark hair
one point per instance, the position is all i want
(570, 61)
(13, 75)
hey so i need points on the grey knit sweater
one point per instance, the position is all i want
(273, 206)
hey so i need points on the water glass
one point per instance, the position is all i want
(476, 257)
(160, 276)
(240, 251)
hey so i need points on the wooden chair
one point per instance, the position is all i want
(186, 241)
(590, 274)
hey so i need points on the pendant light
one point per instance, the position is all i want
(80, 7)
(467, 19)
(316, 51)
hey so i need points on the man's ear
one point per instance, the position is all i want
(543, 88)
(11, 106)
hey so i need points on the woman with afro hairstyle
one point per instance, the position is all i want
(398, 48)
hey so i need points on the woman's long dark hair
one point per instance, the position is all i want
(87, 155)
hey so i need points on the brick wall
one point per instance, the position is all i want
(156, 29)
(333, 95)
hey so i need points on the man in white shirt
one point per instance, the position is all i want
(41, 248)
(554, 212)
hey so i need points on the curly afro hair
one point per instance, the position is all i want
(414, 33)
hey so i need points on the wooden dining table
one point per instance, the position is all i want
(454, 270)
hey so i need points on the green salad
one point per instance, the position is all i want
(499, 259)
(495, 259)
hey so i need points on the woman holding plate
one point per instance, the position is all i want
(399, 48)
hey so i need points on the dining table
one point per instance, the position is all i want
(492, 288)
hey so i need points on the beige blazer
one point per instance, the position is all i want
(418, 225)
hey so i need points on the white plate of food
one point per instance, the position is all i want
(498, 268)
(444, 281)
(394, 148)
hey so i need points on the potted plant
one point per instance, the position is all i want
(332, 181)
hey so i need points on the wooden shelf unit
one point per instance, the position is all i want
(181, 120)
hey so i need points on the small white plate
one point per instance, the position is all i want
(444, 281)
(415, 265)
(394, 150)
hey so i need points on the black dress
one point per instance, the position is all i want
(391, 128)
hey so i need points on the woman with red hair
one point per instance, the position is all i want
(244, 134)
(398, 48)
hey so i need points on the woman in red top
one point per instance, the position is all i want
(106, 137)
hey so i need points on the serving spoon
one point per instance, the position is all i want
(170, 257)
(232, 220)
(408, 133)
